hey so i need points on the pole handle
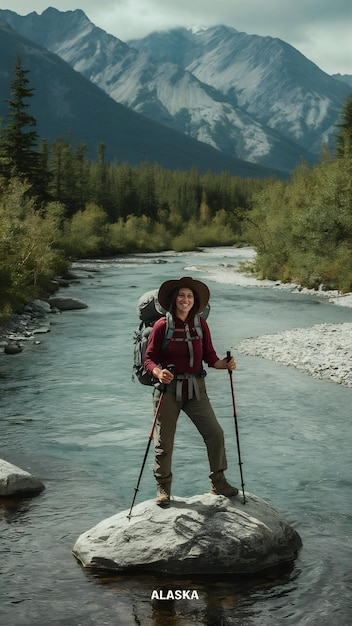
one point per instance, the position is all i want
(228, 355)
(161, 386)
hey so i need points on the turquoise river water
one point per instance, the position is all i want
(71, 415)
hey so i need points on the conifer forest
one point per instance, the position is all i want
(56, 205)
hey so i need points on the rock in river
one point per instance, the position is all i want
(202, 534)
(14, 480)
(66, 304)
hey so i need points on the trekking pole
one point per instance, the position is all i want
(156, 415)
(228, 357)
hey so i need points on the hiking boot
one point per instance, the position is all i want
(163, 495)
(220, 486)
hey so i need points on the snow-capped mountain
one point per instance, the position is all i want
(164, 92)
(67, 105)
(254, 98)
(267, 77)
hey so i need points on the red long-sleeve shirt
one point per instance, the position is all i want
(177, 352)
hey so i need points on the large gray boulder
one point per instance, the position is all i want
(14, 480)
(66, 304)
(203, 534)
(39, 307)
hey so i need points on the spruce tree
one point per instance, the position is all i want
(18, 137)
(344, 137)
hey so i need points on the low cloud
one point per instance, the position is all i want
(317, 28)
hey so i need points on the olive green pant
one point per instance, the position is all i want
(202, 416)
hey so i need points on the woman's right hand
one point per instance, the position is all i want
(164, 376)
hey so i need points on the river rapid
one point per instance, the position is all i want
(71, 415)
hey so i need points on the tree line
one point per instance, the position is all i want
(56, 204)
(302, 229)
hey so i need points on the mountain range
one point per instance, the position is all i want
(243, 97)
(344, 78)
(67, 105)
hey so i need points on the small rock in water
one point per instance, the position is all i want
(13, 347)
(66, 304)
(41, 330)
(14, 480)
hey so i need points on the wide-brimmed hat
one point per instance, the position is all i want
(169, 286)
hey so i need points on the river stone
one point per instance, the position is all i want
(38, 306)
(14, 480)
(41, 330)
(204, 534)
(66, 304)
(13, 347)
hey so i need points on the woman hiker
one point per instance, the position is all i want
(185, 386)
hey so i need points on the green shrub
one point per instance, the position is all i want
(29, 237)
(302, 230)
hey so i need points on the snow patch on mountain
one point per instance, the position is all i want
(197, 29)
(318, 111)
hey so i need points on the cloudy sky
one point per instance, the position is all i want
(320, 29)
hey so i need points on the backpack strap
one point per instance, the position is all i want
(189, 339)
(169, 330)
(198, 326)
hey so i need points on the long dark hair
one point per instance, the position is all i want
(172, 301)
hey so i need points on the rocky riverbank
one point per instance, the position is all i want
(25, 327)
(322, 351)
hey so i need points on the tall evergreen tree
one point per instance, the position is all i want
(101, 183)
(18, 138)
(344, 136)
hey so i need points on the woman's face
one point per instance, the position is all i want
(184, 302)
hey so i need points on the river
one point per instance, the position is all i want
(71, 415)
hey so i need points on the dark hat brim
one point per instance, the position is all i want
(169, 286)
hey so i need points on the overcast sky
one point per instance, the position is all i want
(320, 29)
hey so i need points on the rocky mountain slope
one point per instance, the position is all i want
(255, 98)
(344, 78)
(66, 104)
(266, 77)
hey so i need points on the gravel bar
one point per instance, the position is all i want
(322, 351)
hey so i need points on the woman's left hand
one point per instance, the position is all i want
(231, 364)
(224, 364)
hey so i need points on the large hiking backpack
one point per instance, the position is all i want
(149, 310)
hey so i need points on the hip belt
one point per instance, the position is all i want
(192, 385)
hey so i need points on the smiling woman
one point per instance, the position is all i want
(184, 303)
(184, 386)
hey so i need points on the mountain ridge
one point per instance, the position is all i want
(266, 76)
(67, 105)
(174, 97)
(249, 97)
(344, 78)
